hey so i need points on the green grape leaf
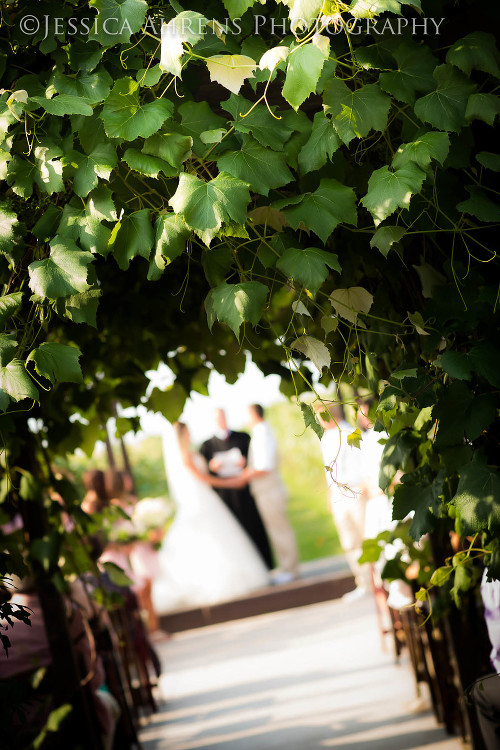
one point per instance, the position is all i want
(420, 498)
(93, 87)
(45, 227)
(134, 237)
(171, 236)
(460, 414)
(397, 452)
(169, 402)
(355, 438)
(85, 223)
(388, 190)
(57, 362)
(87, 169)
(355, 113)
(489, 160)
(483, 359)
(314, 350)
(418, 323)
(349, 303)
(8, 223)
(205, 205)
(445, 107)
(479, 205)
(9, 305)
(260, 167)
(189, 26)
(302, 73)
(173, 148)
(329, 324)
(8, 346)
(151, 166)
(331, 204)
(308, 266)
(385, 237)
(117, 20)
(422, 150)
(236, 8)
(476, 51)
(300, 309)
(125, 117)
(483, 107)
(302, 12)
(388, 400)
(268, 217)
(374, 57)
(414, 72)
(63, 273)
(230, 70)
(213, 136)
(196, 118)
(149, 76)
(235, 304)
(82, 308)
(456, 364)
(216, 264)
(310, 419)
(322, 144)
(259, 122)
(373, 8)
(477, 499)
(117, 575)
(16, 382)
(64, 104)
(44, 170)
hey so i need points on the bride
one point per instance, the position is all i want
(206, 557)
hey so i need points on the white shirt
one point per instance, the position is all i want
(263, 451)
(263, 456)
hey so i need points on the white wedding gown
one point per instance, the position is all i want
(206, 557)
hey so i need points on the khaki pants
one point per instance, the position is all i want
(272, 507)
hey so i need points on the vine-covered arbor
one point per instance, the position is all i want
(301, 180)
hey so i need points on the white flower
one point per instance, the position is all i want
(151, 513)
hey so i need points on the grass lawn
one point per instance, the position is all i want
(304, 475)
(301, 468)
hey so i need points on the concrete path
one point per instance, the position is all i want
(304, 679)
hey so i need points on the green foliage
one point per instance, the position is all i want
(205, 205)
(57, 362)
(125, 117)
(261, 168)
(147, 217)
(388, 190)
(235, 304)
(308, 266)
(355, 113)
(302, 73)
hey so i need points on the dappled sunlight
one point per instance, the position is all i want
(315, 677)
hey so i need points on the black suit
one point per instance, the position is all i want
(240, 501)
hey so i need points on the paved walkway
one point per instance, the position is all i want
(304, 679)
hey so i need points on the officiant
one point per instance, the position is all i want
(226, 455)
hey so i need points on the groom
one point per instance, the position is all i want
(226, 455)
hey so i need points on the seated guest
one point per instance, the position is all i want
(30, 651)
(486, 691)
